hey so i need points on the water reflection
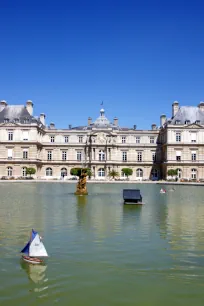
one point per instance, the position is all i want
(35, 272)
(81, 209)
(131, 214)
(99, 213)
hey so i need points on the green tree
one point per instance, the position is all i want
(89, 173)
(127, 171)
(79, 171)
(30, 171)
(113, 173)
(172, 172)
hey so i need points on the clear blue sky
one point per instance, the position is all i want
(68, 56)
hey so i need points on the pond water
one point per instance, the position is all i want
(101, 252)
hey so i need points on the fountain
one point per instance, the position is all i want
(82, 175)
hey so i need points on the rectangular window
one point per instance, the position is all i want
(64, 155)
(25, 154)
(193, 137)
(139, 156)
(80, 139)
(49, 155)
(123, 139)
(10, 153)
(66, 138)
(137, 139)
(25, 135)
(10, 135)
(153, 156)
(178, 155)
(178, 137)
(124, 156)
(193, 155)
(79, 155)
(151, 139)
(52, 138)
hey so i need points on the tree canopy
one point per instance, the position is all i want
(172, 172)
(30, 171)
(79, 171)
(113, 173)
(127, 171)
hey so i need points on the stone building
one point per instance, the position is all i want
(182, 141)
(26, 141)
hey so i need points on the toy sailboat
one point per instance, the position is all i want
(34, 249)
(162, 190)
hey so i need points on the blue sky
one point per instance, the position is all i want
(68, 56)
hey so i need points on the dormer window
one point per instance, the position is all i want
(26, 120)
(177, 122)
(197, 122)
(16, 120)
(187, 122)
(6, 120)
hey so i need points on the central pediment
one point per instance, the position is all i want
(9, 124)
(194, 126)
(103, 138)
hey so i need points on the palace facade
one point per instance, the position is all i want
(26, 141)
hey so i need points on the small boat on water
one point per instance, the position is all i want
(132, 196)
(162, 190)
(34, 249)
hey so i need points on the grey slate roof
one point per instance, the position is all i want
(80, 128)
(100, 123)
(16, 112)
(190, 113)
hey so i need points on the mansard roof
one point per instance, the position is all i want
(188, 113)
(16, 112)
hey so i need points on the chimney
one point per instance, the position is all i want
(3, 104)
(134, 127)
(89, 121)
(52, 126)
(42, 118)
(29, 107)
(175, 108)
(70, 126)
(162, 120)
(154, 126)
(201, 106)
(115, 121)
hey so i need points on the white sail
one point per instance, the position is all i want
(37, 248)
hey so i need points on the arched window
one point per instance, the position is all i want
(49, 172)
(10, 171)
(179, 173)
(139, 173)
(24, 171)
(101, 172)
(193, 174)
(154, 173)
(101, 155)
(123, 174)
(63, 172)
